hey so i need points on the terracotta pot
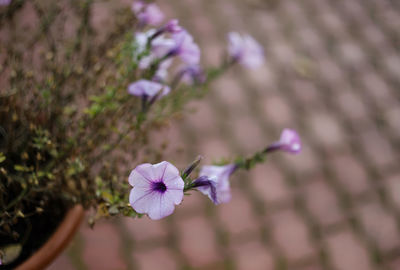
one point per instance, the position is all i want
(57, 242)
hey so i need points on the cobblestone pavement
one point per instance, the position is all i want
(332, 72)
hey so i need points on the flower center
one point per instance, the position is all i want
(158, 186)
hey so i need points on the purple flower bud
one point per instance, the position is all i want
(289, 142)
(245, 50)
(185, 47)
(156, 189)
(147, 14)
(172, 27)
(145, 88)
(214, 182)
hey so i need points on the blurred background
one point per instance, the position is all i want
(332, 72)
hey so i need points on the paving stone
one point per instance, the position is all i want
(102, 247)
(350, 173)
(322, 202)
(198, 241)
(144, 228)
(237, 215)
(277, 110)
(291, 234)
(269, 184)
(393, 188)
(157, 258)
(380, 225)
(248, 134)
(347, 252)
(326, 130)
(252, 256)
(61, 262)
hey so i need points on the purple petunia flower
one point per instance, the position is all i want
(214, 182)
(147, 14)
(245, 50)
(156, 189)
(289, 142)
(5, 2)
(145, 88)
(185, 47)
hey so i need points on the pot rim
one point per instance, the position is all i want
(57, 241)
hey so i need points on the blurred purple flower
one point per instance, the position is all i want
(193, 74)
(185, 47)
(147, 14)
(5, 2)
(145, 88)
(245, 50)
(289, 142)
(214, 182)
(156, 189)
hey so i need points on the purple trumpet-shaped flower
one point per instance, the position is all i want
(185, 47)
(156, 189)
(214, 182)
(289, 142)
(149, 89)
(147, 14)
(245, 50)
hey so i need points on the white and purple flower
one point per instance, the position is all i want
(156, 189)
(245, 49)
(288, 142)
(214, 182)
(148, 89)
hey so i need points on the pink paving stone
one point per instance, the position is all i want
(330, 71)
(62, 262)
(352, 54)
(306, 162)
(197, 241)
(211, 53)
(346, 252)
(326, 129)
(350, 173)
(262, 78)
(377, 89)
(142, 229)
(352, 106)
(237, 215)
(311, 40)
(213, 149)
(252, 256)
(377, 148)
(392, 118)
(392, 64)
(102, 247)
(322, 202)
(231, 92)
(374, 36)
(306, 92)
(193, 203)
(203, 120)
(380, 225)
(155, 258)
(269, 183)
(283, 53)
(28, 23)
(291, 234)
(248, 133)
(332, 22)
(393, 188)
(277, 110)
